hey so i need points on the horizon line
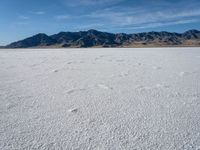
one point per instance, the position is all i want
(95, 30)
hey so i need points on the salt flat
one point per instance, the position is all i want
(100, 98)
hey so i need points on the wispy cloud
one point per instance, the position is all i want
(62, 17)
(98, 2)
(89, 26)
(75, 3)
(22, 17)
(21, 23)
(38, 12)
(158, 24)
(137, 18)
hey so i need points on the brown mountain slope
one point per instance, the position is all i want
(94, 38)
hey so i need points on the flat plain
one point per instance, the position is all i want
(142, 98)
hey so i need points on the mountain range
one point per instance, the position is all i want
(94, 38)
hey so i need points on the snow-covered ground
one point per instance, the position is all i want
(100, 99)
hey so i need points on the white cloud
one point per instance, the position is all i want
(38, 12)
(125, 18)
(89, 26)
(98, 2)
(23, 17)
(157, 24)
(21, 23)
(138, 17)
(75, 3)
(62, 17)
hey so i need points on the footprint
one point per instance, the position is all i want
(119, 60)
(70, 91)
(10, 106)
(74, 90)
(156, 68)
(157, 86)
(69, 63)
(10, 67)
(124, 74)
(101, 56)
(73, 110)
(141, 88)
(55, 71)
(20, 81)
(182, 74)
(102, 86)
(166, 86)
(162, 86)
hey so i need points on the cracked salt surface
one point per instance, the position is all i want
(100, 99)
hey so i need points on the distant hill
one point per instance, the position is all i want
(94, 38)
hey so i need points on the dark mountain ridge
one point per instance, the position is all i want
(94, 38)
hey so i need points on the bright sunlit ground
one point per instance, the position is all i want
(100, 98)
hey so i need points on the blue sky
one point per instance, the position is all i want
(23, 18)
